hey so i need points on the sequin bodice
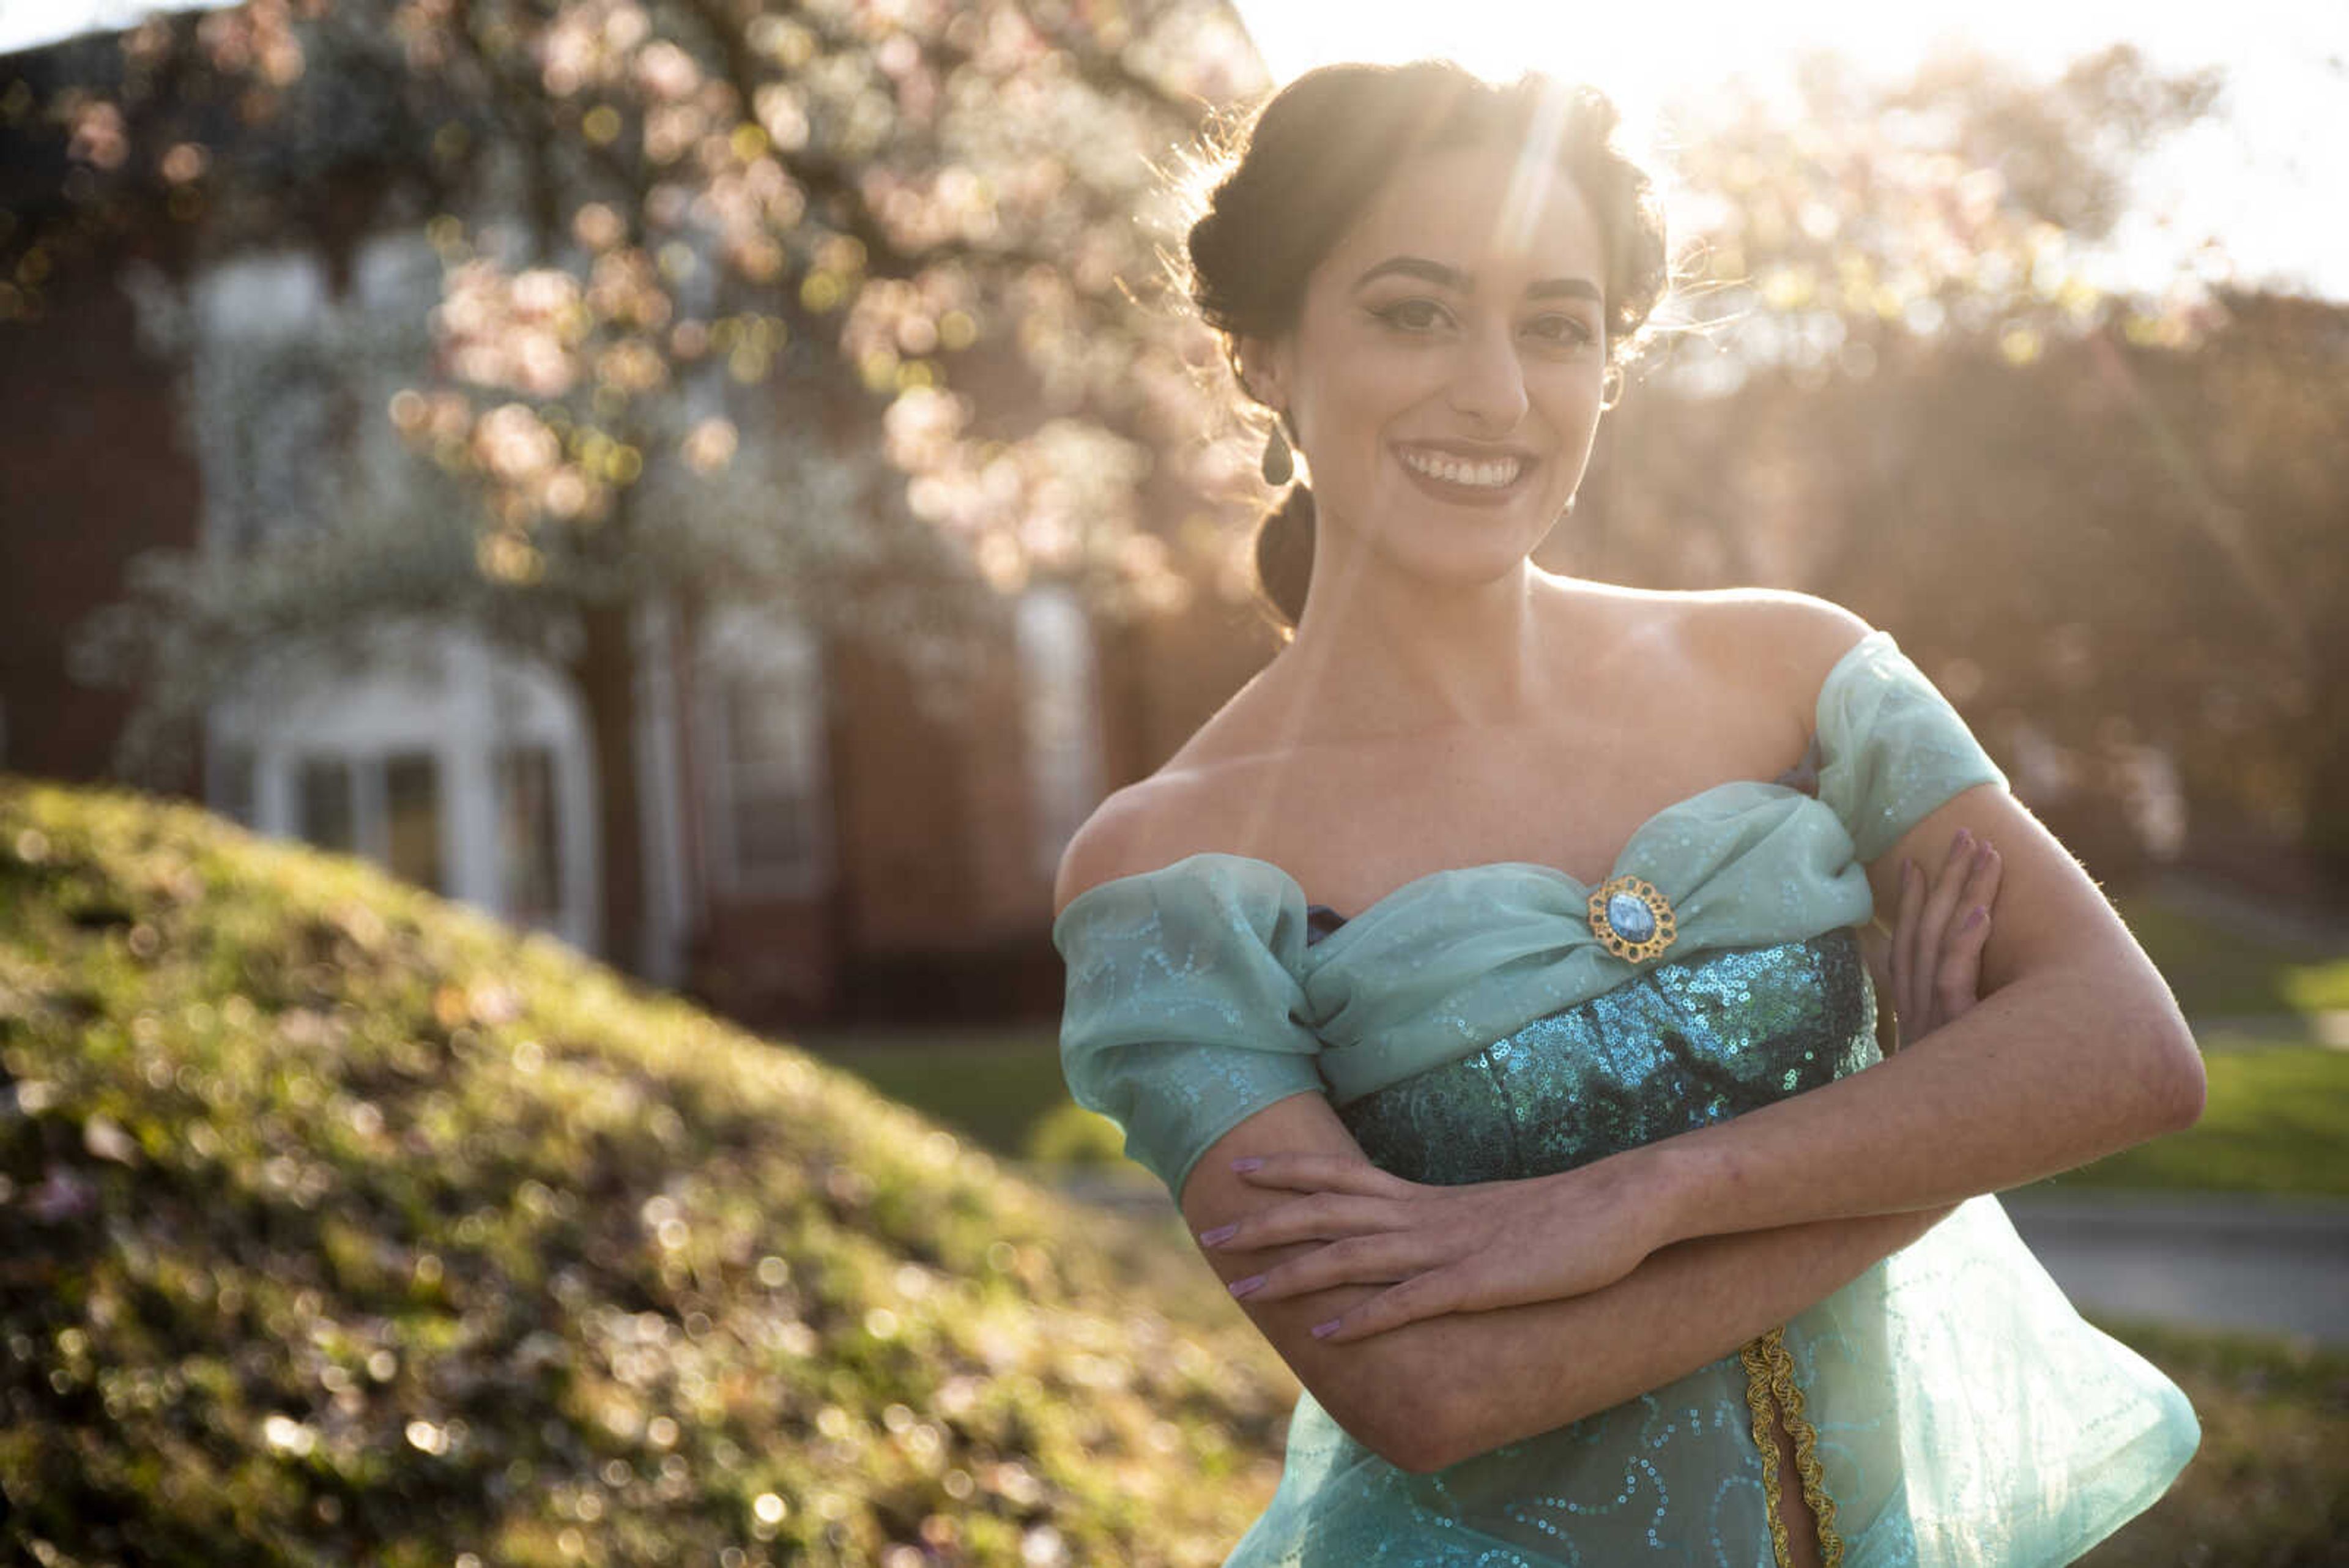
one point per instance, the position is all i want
(1680, 1045)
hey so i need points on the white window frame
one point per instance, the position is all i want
(740, 643)
(1060, 711)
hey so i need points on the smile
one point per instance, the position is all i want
(1469, 474)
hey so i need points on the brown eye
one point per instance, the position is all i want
(1560, 329)
(1413, 315)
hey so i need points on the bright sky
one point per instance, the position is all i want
(2265, 175)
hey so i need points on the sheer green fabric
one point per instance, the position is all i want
(1966, 1414)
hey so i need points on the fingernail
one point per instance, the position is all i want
(1250, 1163)
(1220, 1234)
(1242, 1287)
(1908, 870)
(1965, 836)
(1320, 1329)
(1975, 917)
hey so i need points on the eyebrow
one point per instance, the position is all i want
(1452, 277)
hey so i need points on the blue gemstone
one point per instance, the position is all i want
(1630, 916)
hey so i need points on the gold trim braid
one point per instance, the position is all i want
(1773, 1395)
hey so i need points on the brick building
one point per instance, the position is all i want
(823, 834)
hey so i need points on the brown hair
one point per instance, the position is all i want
(1313, 157)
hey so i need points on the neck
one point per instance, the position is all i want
(1385, 652)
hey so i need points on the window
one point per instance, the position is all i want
(1058, 700)
(761, 709)
(411, 802)
(323, 793)
(530, 864)
(232, 786)
(388, 808)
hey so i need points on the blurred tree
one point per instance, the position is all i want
(1969, 200)
(2110, 523)
(926, 214)
(863, 202)
(2112, 554)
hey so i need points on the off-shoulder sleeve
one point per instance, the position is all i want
(1183, 1008)
(1891, 747)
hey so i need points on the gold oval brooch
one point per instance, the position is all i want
(1633, 920)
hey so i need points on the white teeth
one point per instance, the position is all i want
(1492, 475)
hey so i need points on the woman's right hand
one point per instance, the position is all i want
(1938, 935)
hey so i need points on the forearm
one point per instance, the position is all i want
(1513, 1371)
(2058, 1069)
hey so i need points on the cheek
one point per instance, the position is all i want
(1572, 397)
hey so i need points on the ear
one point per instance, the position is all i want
(1263, 370)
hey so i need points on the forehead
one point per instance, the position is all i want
(1484, 210)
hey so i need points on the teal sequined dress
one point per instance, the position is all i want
(1474, 1025)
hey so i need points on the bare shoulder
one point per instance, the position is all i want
(1147, 825)
(1763, 644)
(1186, 806)
(1115, 841)
(1783, 640)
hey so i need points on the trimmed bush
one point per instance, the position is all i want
(340, 1224)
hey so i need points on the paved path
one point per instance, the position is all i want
(2214, 1260)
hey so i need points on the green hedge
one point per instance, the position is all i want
(338, 1224)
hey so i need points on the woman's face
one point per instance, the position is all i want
(1443, 378)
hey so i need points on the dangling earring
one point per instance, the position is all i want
(1279, 466)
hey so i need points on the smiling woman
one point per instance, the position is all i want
(1567, 1172)
(1505, 260)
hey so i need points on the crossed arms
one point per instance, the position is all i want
(1618, 1277)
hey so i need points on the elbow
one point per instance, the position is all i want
(2171, 1073)
(1421, 1453)
(1411, 1433)
(1405, 1454)
(2188, 1087)
(1436, 1438)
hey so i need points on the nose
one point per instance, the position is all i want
(1488, 381)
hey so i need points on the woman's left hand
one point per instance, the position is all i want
(1470, 1248)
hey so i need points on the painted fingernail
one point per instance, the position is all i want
(1965, 836)
(1220, 1234)
(1242, 1287)
(1321, 1329)
(1974, 917)
(1908, 870)
(1250, 1163)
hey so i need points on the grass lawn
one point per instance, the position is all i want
(2217, 971)
(992, 1083)
(2275, 1122)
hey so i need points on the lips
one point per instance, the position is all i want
(1488, 473)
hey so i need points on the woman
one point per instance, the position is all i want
(1570, 1204)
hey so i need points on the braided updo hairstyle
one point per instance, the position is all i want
(1310, 160)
